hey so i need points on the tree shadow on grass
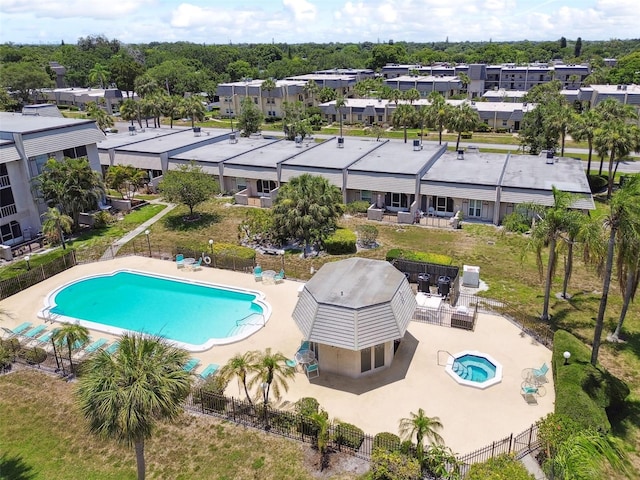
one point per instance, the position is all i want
(182, 223)
(15, 468)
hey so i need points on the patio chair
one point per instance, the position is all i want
(191, 364)
(539, 375)
(197, 265)
(180, 260)
(279, 277)
(112, 348)
(257, 273)
(312, 370)
(210, 370)
(34, 332)
(530, 391)
(291, 363)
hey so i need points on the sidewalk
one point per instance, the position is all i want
(117, 245)
(533, 467)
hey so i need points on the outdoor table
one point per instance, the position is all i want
(188, 262)
(304, 357)
(268, 276)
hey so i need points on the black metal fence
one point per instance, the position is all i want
(37, 274)
(520, 445)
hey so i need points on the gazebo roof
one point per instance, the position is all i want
(355, 304)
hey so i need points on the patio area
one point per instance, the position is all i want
(472, 418)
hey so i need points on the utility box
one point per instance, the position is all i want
(5, 253)
(470, 276)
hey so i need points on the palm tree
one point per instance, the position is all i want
(421, 426)
(171, 107)
(422, 118)
(584, 127)
(439, 112)
(193, 108)
(465, 80)
(618, 138)
(623, 223)
(145, 85)
(73, 335)
(411, 95)
(340, 103)
(102, 118)
(311, 88)
(240, 366)
(129, 111)
(100, 74)
(271, 371)
(403, 116)
(463, 118)
(547, 231)
(628, 268)
(55, 225)
(560, 119)
(269, 85)
(321, 421)
(124, 395)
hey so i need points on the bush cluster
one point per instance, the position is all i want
(348, 435)
(342, 242)
(359, 206)
(517, 222)
(387, 441)
(434, 258)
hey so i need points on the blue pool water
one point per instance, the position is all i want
(193, 314)
(474, 368)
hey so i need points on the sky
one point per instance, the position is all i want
(320, 21)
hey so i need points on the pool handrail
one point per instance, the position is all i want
(239, 322)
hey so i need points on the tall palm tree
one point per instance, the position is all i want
(422, 118)
(628, 270)
(403, 116)
(311, 88)
(100, 74)
(553, 223)
(559, 118)
(102, 118)
(124, 395)
(55, 225)
(411, 95)
(463, 118)
(272, 372)
(584, 127)
(340, 103)
(421, 426)
(171, 107)
(623, 222)
(240, 367)
(619, 139)
(129, 110)
(145, 85)
(439, 113)
(72, 335)
(269, 85)
(193, 108)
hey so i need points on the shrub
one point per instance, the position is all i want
(348, 435)
(418, 256)
(359, 206)
(554, 430)
(502, 467)
(466, 135)
(367, 235)
(102, 219)
(394, 466)
(584, 393)
(342, 242)
(482, 127)
(517, 222)
(232, 249)
(305, 407)
(386, 441)
(32, 355)
(6, 358)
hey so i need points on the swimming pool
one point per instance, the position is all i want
(194, 315)
(474, 369)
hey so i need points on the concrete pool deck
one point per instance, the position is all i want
(472, 418)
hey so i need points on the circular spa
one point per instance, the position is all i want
(474, 369)
(192, 314)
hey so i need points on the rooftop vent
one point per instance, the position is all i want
(197, 131)
(340, 142)
(232, 138)
(132, 130)
(298, 140)
(416, 146)
(460, 154)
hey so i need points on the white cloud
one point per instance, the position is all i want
(302, 10)
(72, 8)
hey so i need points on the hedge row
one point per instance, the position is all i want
(435, 258)
(584, 393)
(232, 249)
(342, 242)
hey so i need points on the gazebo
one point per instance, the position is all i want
(354, 312)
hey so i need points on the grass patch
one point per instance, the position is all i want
(45, 437)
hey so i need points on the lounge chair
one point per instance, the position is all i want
(257, 273)
(191, 364)
(211, 369)
(312, 370)
(111, 349)
(34, 332)
(291, 363)
(93, 347)
(19, 330)
(539, 375)
(44, 338)
(197, 265)
(180, 260)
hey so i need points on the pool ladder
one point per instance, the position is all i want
(462, 370)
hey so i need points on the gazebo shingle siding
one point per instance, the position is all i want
(355, 304)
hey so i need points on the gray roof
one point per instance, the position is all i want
(474, 168)
(224, 150)
(328, 155)
(179, 139)
(355, 304)
(395, 156)
(18, 123)
(123, 137)
(533, 172)
(268, 156)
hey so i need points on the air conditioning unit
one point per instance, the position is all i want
(340, 142)
(197, 131)
(416, 146)
(132, 130)
(233, 138)
(298, 140)
(550, 157)
(460, 154)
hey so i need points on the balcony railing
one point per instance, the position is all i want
(8, 210)
(4, 181)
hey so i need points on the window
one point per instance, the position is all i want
(443, 204)
(504, 123)
(241, 183)
(378, 360)
(344, 116)
(365, 360)
(255, 100)
(379, 118)
(9, 232)
(37, 163)
(76, 152)
(475, 208)
(265, 186)
(365, 195)
(359, 117)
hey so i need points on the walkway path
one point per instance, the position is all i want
(533, 467)
(117, 245)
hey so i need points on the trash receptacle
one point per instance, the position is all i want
(444, 285)
(5, 253)
(424, 281)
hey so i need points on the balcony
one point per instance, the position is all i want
(8, 210)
